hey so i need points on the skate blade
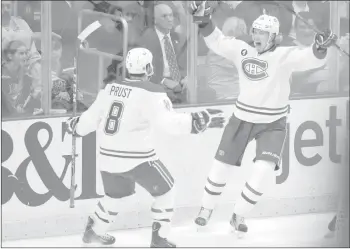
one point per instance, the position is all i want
(95, 244)
(238, 234)
(201, 229)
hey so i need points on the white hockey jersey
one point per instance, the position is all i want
(264, 78)
(124, 115)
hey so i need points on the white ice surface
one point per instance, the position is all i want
(289, 231)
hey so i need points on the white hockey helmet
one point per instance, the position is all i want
(139, 61)
(267, 23)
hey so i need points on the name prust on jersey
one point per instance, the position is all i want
(120, 91)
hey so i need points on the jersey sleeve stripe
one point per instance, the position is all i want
(260, 112)
(130, 157)
(262, 108)
(126, 152)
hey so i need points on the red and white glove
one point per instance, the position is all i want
(199, 8)
(209, 118)
(72, 126)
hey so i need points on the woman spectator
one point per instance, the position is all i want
(17, 83)
(16, 29)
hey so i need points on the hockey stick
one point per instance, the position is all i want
(308, 24)
(74, 114)
(81, 38)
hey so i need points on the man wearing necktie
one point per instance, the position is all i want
(164, 45)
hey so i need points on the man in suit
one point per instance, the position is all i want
(164, 45)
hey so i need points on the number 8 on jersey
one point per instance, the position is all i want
(113, 119)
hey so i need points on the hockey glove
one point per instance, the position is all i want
(198, 8)
(325, 40)
(210, 118)
(72, 126)
(201, 11)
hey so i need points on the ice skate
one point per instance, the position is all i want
(238, 225)
(331, 228)
(90, 238)
(158, 241)
(203, 218)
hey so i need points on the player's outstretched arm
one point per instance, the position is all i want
(164, 116)
(226, 46)
(209, 118)
(314, 56)
(88, 121)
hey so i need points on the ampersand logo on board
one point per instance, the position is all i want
(18, 182)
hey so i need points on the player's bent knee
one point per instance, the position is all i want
(162, 189)
(219, 164)
(218, 172)
(166, 199)
(116, 186)
(265, 165)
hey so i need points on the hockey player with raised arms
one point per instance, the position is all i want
(123, 115)
(261, 108)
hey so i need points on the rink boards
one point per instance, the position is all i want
(36, 159)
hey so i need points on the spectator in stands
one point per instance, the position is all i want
(17, 83)
(16, 29)
(314, 80)
(222, 74)
(163, 43)
(250, 10)
(304, 35)
(56, 57)
(135, 16)
(62, 93)
(298, 6)
(321, 10)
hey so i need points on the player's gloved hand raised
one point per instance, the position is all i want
(210, 118)
(325, 40)
(72, 125)
(197, 8)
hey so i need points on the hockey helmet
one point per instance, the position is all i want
(267, 23)
(139, 61)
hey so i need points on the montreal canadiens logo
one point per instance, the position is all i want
(254, 69)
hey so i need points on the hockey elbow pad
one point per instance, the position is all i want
(210, 118)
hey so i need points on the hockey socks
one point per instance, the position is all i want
(215, 185)
(106, 211)
(262, 176)
(162, 212)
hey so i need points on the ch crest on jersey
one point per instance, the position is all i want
(255, 69)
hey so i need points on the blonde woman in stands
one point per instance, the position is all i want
(16, 29)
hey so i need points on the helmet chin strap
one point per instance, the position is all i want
(269, 43)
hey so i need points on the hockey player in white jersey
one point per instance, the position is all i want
(123, 115)
(260, 110)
